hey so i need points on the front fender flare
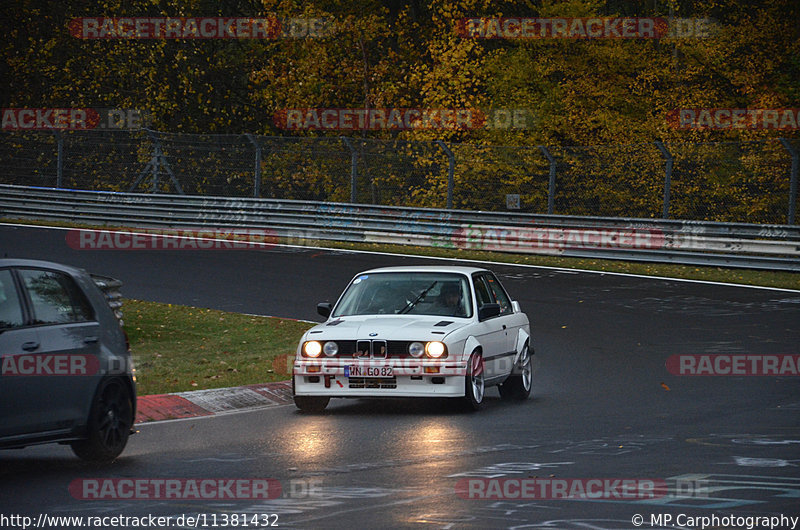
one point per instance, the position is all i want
(470, 346)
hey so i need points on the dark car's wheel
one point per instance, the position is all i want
(475, 388)
(109, 425)
(518, 385)
(311, 403)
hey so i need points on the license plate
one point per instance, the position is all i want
(368, 371)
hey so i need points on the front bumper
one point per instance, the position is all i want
(410, 378)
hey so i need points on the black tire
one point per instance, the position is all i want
(311, 403)
(518, 385)
(474, 384)
(109, 425)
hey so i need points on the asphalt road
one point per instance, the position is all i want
(603, 406)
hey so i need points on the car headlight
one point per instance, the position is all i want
(312, 348)
(416, 349)
(330, 348)
(435, 349)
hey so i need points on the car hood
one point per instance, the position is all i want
(406, 327)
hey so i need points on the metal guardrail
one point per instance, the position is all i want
(110, 288)
(774, 247)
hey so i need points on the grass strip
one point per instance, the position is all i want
(177, 348)
(764, 278)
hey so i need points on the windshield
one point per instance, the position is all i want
(412, 293)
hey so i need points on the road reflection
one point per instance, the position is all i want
(432, 436)
(315, 439)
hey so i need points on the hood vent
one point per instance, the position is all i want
(443, 323)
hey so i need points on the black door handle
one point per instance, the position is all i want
(30, 346)
(90, 340)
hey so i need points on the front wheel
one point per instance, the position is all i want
(474, 382)
(518, 385)
(311, 403)
(109, 425)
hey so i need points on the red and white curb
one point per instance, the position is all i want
(211, 402)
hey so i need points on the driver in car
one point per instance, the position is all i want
(450, 300)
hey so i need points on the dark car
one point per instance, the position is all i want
(66, 373)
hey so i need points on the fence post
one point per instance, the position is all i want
(154, 166)
(257, 171)
(792, 180)
(667, 177)
(451, 165)
(59, 159)
(551, 185)
(353, 169)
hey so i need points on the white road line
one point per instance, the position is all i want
(525, 265)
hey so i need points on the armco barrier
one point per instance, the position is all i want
(688, 242)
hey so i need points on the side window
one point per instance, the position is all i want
(499, 295)
(10, 308)
(55, 298)
(482, 291)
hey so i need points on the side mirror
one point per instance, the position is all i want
(488, 311)
(324, 309)
(516, 307)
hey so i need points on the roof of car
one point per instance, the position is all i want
(426, 268)
(16, 262)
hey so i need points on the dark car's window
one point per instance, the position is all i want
(10, 308)
(55, 297)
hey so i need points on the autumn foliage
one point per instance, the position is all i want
(612, 96)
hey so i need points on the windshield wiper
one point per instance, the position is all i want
(409, 306)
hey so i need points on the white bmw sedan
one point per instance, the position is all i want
(416, 332)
